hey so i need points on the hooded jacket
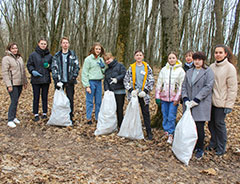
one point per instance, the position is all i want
(36, 61)
(169, 82)
(13, 71)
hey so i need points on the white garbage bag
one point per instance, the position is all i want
(185, 137)
(131, 126)
(60, 110)
(107, 117)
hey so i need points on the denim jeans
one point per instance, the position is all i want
(169, 112)
(14, 95)
(96, 94)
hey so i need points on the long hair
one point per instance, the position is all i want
(92, 50)
(10, 45)
(231, 58)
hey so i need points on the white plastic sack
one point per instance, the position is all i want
(60, 110)
(107, 117)
(131, 126)
(185, 137)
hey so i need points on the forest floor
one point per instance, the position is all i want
(36, 153)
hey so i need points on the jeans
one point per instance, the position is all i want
(169, 112)
(96, 91)
(218, 130)
(14, 95)
(120, 102)
(37, 89)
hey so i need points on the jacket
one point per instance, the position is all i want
(169, 82)
(36, 61)
(13, 71)
(114, 70)
(148, 83)
(200, 89)
(186, 67)
(225, 85)
(91, 70)
(72, 67)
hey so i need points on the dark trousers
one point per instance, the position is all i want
(37, 89)
(120, 102)
(218, 130)
(146, 114)
(69, 89)
(14, 95)
(201, 134)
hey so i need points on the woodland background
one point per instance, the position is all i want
(122, 26)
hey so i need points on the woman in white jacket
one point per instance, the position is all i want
(168, 92)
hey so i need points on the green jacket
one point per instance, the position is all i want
(91, 70)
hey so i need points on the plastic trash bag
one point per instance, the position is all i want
(107, 117)
(185, 137)
(60, 110)
(131, 125)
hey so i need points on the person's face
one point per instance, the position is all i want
(42, 44)
(65, 44)
(188, 58)
(97, 50)
(108, 61)
(172, 59)
(14, 49)
(220, 54)
(198, 63)
(139, 56)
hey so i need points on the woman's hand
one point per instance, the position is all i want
(88, 89)
(10, 89)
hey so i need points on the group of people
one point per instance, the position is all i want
(210, 92)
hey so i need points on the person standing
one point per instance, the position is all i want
(113, 81)
(197, 93)
(139, 82)
(168, 93)
(92, 75)
(38, 65)
(224, 96)
(65, 69)
(14, 77)
(188, 60)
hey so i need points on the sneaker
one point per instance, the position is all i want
(219, 153)
(16, 121)
(170, 139)
(166, 134)
(199, 154)
(11, 124)
(36, 118)
(44, 116)
(89, 122)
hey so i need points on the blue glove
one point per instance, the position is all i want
(227, 110)
(36, 74)
(101, 64)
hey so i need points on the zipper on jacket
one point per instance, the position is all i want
(170, 83)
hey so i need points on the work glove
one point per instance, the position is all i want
(193, 103)
(114, 81)
(59, 85)
(158, 101)
(101, 64)
(227, 110)
(142, 94)
(134, 93)
(36, 73)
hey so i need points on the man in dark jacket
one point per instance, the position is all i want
(38, 65)
(65, 68)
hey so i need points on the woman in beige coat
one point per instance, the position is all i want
(13, 73)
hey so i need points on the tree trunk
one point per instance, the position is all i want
(123, 34)
(218, 10)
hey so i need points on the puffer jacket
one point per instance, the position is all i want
(35, 62)
(72, 65)
(169, 82)
(13, 71)
(148, 82)
(115, 70)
